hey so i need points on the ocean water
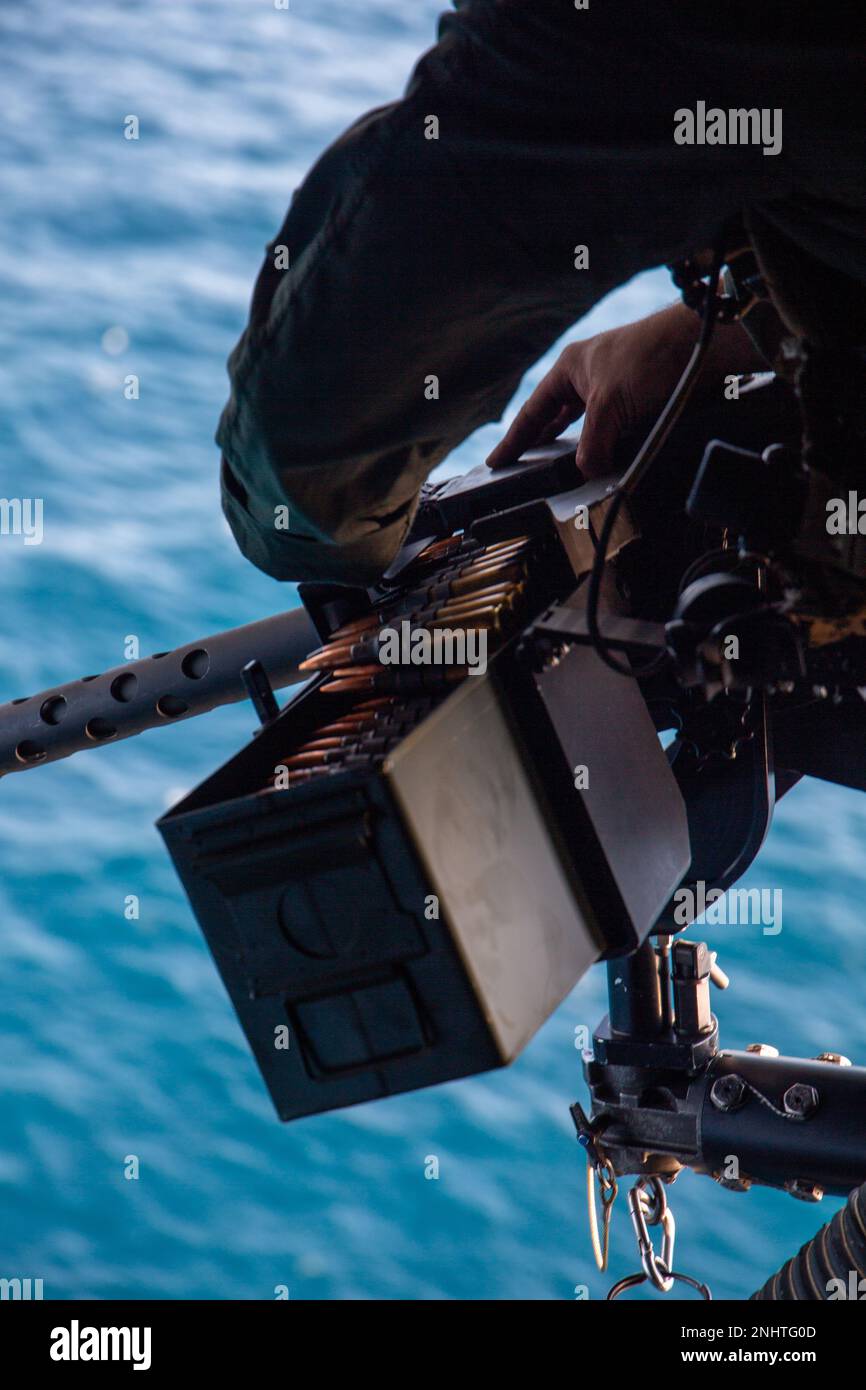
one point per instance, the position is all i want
(126, 257)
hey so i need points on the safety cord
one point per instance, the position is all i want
(638, 470)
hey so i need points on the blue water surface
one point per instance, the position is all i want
(117, 1037)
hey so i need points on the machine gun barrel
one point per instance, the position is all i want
(199, 676)
(146, 694)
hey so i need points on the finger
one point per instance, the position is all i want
(555, 428)
(539, 411)
(598, 439)
(552, 405)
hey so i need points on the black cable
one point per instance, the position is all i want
(637, 471)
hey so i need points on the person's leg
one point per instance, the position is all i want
(444, 242)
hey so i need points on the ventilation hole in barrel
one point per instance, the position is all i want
(170, 706)
(99, 729)
(124, 687)
(29, 752)
(22, 700)
(88, 678)
(53, 709)
(196, 664)
(157, 656)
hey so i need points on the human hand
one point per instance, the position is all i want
(620, 381)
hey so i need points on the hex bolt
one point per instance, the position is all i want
(800, 1100)
(763, 1049)
(835, 1058)
(728, 1092)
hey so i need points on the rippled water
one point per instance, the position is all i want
(117, 1038)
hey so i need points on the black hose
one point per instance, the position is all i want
(830, 1266)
